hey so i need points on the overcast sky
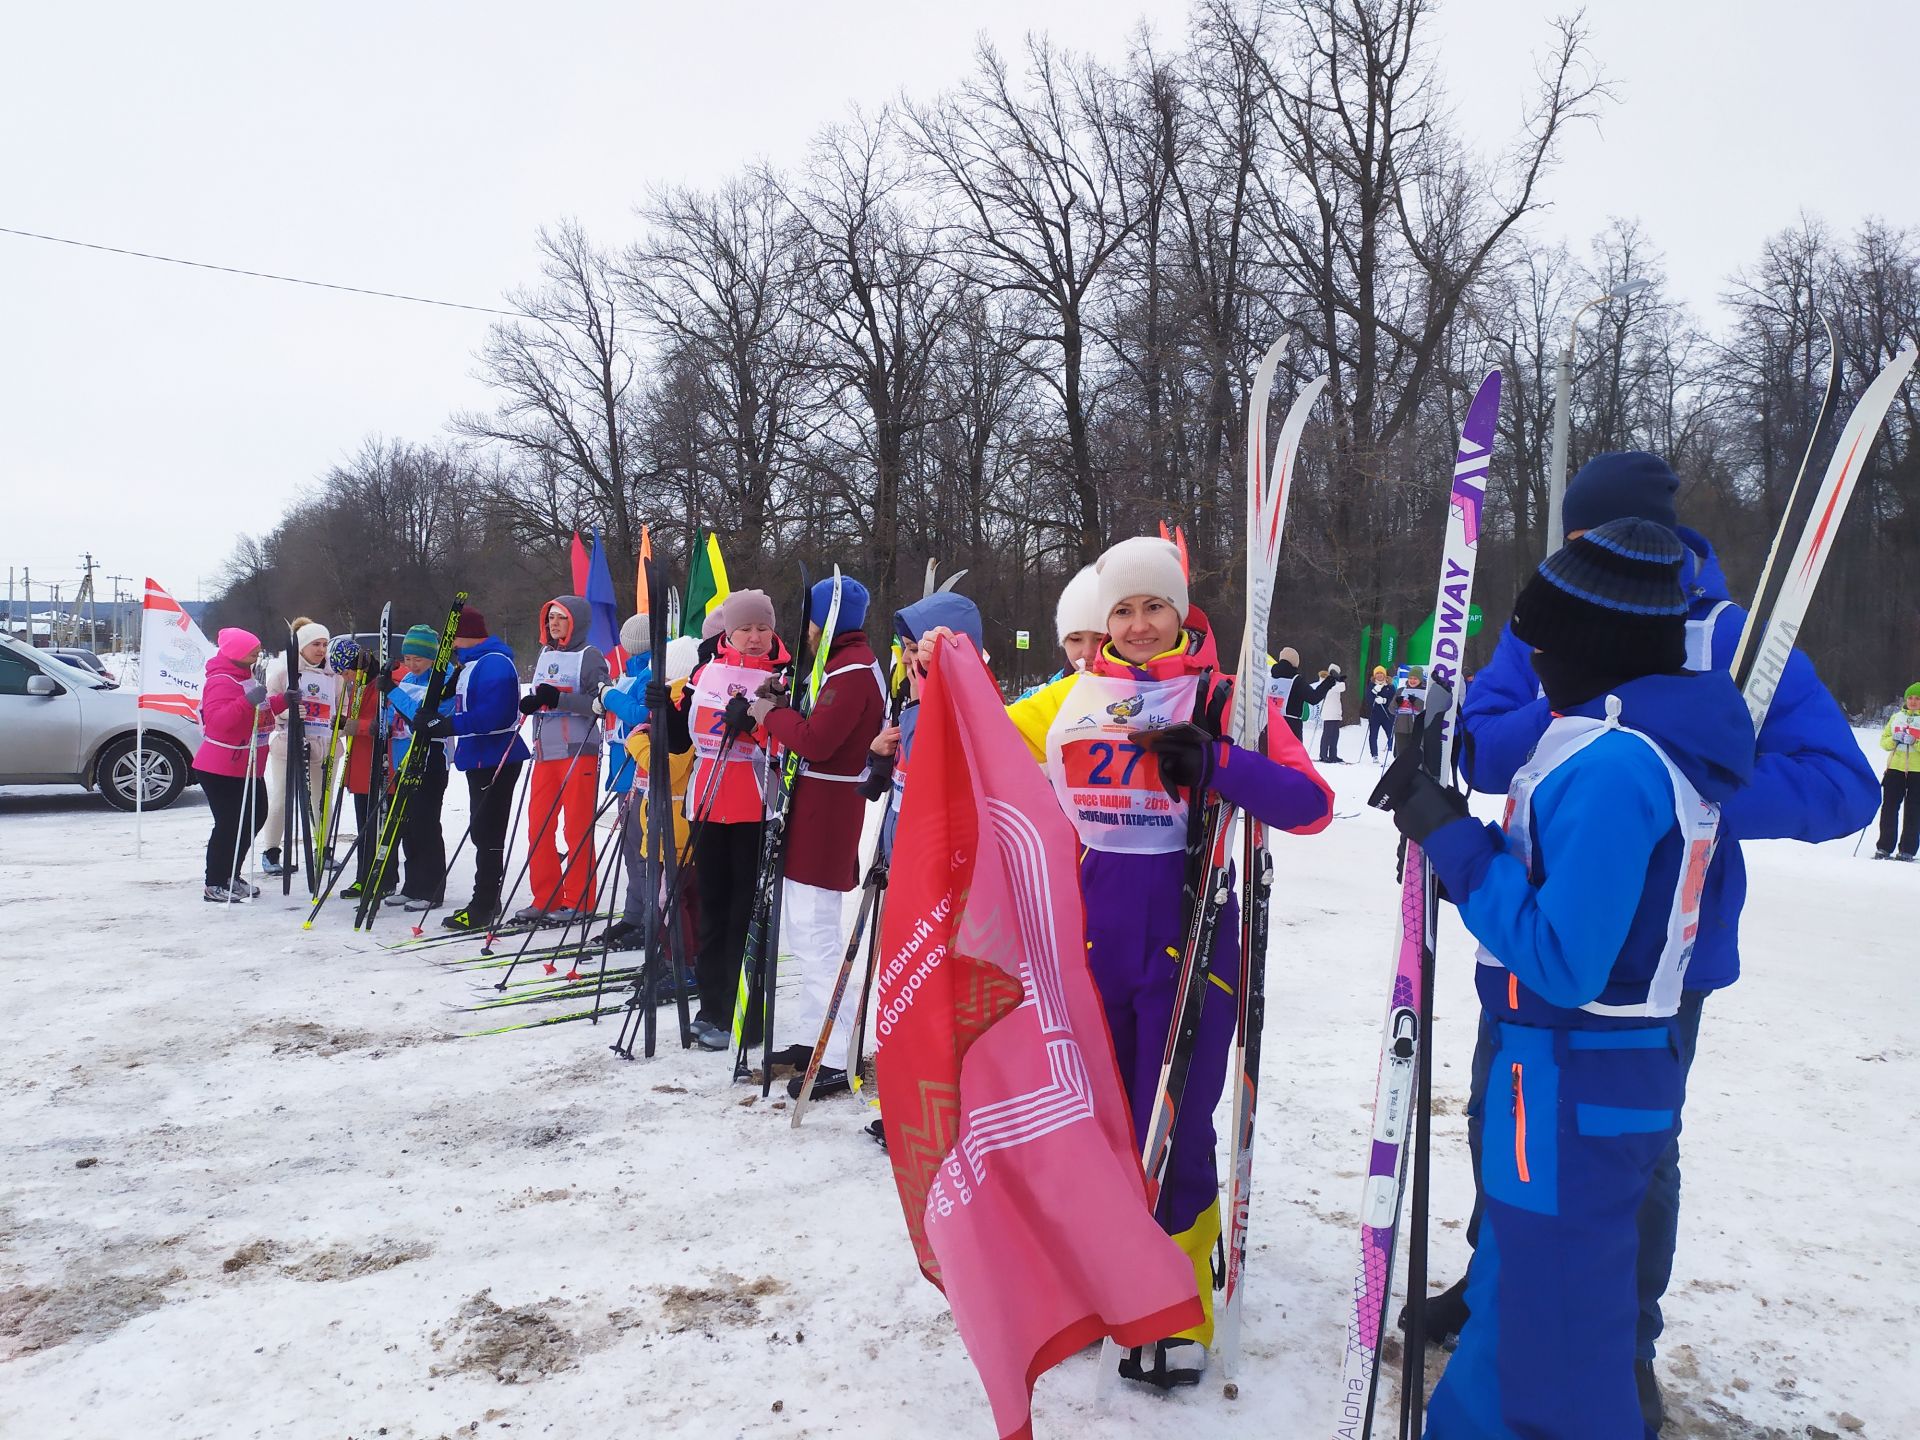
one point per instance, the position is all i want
(151, 413)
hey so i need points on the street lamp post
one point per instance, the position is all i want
(1562, 403)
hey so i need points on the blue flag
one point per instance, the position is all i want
(603, 633)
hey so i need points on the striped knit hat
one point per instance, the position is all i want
(422, 641)
(1611, 600)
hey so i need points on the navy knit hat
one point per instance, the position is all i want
(1611, 600)
(1617, 485)
(853, 604)
(421, 640)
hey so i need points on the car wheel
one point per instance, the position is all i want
(118, 773)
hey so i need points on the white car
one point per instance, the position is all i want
(62, 725)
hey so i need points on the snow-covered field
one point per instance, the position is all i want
(254, 1183)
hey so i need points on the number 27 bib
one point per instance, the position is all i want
(1107, 782)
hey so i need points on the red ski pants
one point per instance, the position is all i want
(575, 794)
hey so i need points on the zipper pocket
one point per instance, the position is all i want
(1520, 1124)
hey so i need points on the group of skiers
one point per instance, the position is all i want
(1606, 907)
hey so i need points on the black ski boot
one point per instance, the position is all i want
(621, 936)
(828, 1082)
(1165, 1364)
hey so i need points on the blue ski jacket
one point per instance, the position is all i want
(1810, 780)
(487, 727)
(625, 700)
(1588, 919)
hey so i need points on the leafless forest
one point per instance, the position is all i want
(1005, 325)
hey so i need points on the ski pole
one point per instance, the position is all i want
(420, 925)
(241, 834)
(559, 794)
(553, 892)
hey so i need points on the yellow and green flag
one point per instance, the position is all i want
(706, 585)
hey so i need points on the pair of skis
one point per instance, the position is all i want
(1209, 875)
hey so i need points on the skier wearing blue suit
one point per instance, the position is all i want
(1588, 908)
(1810, 782)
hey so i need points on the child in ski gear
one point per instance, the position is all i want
(942, 613)
(423, 848)
(318, 694)
(1130, 745)
(625, 700)
(236, 720)
(361, 729)
(824, 821)
(1587, 910)
(566, 761)
(1900, 785)
(728, 791)
(1332, 707)
(1810, 782)
(1381, 693)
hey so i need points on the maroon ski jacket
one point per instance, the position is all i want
(823, 839)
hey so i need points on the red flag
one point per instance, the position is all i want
(582, 566)
(173, 656)
(1007, 1124)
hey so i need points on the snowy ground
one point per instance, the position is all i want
(254, 1184)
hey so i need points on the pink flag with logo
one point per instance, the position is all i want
(173, 656)
(1007, 1123)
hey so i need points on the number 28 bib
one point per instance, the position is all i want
(1108, 783)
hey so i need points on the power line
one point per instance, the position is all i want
(259, 274)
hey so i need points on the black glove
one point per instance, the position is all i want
(738, 716)
(1185, 754)
(1420, 803)
(440, 727)
(546, 695)
(387, 684)
(657, 696)
(530, 704)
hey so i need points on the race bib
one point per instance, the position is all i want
(559, 668)
(316, 697)
(1109, 784)
(717, 685)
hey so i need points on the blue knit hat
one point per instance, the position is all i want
(1617, 485)
(1611, 599)
(853, 604)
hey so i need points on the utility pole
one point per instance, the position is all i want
(53, 619)
(119, 614)
(86, 593)
(26, 573)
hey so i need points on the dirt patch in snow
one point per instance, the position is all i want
(516, 1346)
(86, 1304)
(347, 1262)
(303, 1037)
(729, 1301)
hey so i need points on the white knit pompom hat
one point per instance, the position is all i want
(1080, 608)
(308, 633)
(1141, 566)
(683, 653)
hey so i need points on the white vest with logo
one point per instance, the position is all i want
(1108, 784)
(1699, 823)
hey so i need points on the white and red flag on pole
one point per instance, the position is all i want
(173, 656)
(1007, 1124)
